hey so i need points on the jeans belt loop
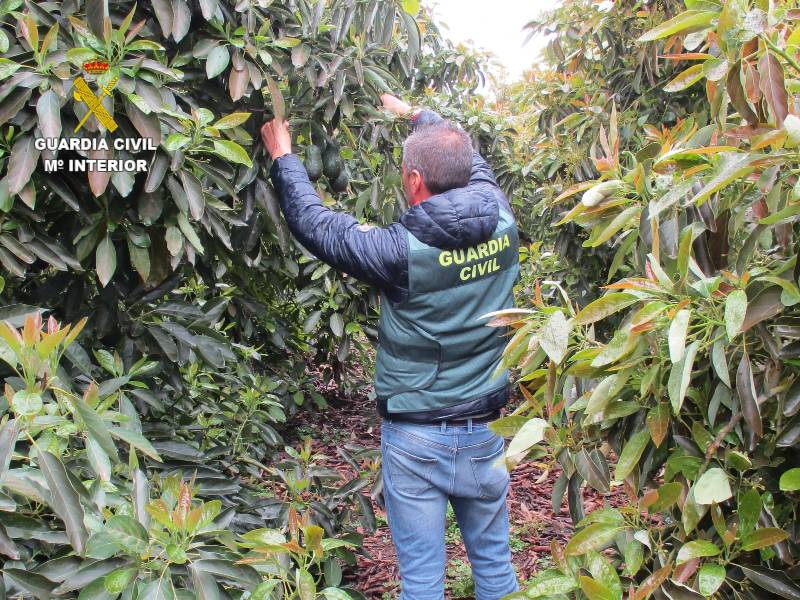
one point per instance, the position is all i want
(469, 425)
(444, 425)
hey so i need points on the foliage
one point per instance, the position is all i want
(679, 385)
(63, 449)
(591, 64)
(199, 315)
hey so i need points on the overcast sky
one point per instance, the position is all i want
(494, 25)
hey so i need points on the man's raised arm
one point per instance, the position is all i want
(376, 255)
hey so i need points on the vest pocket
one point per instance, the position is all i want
(395, 375)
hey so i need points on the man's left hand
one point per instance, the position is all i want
(276, 137)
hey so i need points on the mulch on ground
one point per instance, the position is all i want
(533, 524)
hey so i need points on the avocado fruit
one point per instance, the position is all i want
(313, 162)
(332, 163)
(340, 183)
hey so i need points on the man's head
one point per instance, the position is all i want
(436, 158)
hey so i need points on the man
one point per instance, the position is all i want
(452, 258)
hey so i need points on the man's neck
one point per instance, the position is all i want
(420, 198)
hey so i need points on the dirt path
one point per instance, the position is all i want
(533, 524)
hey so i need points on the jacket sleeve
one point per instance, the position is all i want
(376, 255)
(482, 174)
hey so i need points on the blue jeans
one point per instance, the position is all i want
(424, 467)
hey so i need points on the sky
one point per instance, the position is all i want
(494, 25)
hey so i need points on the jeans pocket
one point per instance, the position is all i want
(490, 475)
(408, 473)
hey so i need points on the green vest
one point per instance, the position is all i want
(434, 350)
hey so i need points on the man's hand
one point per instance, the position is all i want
(276, 137)
(394, 105)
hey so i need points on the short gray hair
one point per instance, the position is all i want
(442, 153)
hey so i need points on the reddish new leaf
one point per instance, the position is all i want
(738, 97)
(773, 86)
(745, 388)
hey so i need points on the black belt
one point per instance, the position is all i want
(483, 419)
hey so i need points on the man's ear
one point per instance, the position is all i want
(415, 179)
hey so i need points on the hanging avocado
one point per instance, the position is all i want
(313, 162)
(332, 163)
(342, 180)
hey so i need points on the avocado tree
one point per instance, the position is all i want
(678, 386)
(194, 310)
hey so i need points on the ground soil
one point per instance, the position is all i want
(533, 523)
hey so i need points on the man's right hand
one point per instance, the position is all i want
(394, 105)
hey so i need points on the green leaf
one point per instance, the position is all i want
(605, 306)
(709, 578)
(677, 335)
(685, 79)
(21, 165)
(411, 7)
(668, 495)
(749, 510)
(263, 591)
(136, 440)
(613, 227)
(336, 323)
(631, 454)
(217, 61)
(96, 590)
(790, 480)
(128, 535)
(189, 232)
(9, 432)
(605, 573)
(160, 588)
(176, 141)
(773, 581)
(735, 311)
(232, 151)
(554, 336)
(66, 502)
(762, 538)
(232, 120)
(719, 361)
(531, 434)
(332, 593)
(278, 103)
(105, 260)
(595, 590)
(97, 428)
(26, 404)
(734, 166)
(48, 111)
(697, 549)
(118, 581)
(713, 486)
(38, 585)
(658, 419)
(227, 569)
(306, 586)
(594, 537)
(686, 22)
(550, 583)
(194, 194)
(594, 472)
(8, 67)
(680, 376)
(604, 392)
